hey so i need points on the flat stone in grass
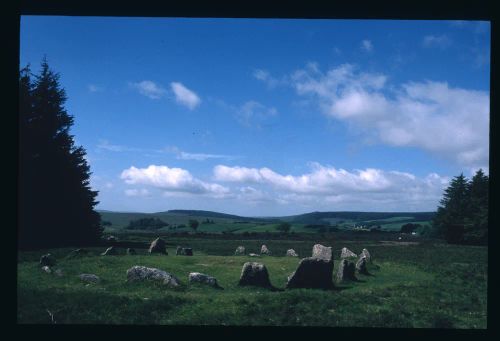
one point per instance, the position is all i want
(254, 274)
(141, 273)
(253, 255)
(131, 251)
(89, 278)
(46, 269)
(346, 271)
(197, 277)
(322, 252)
(367, 255)
(110, 251)
(47, 260)
(312, 272)
(361, 265)
(346, 253)
(291, 253)
(240, 250)
(158, 246)
(264, 250)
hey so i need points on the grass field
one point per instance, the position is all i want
(412, 285)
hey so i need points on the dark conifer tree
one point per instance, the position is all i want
(56, 201)
(476, 230)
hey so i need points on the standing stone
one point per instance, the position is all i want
(346, 253)
(361, 265)
(196, 277)
(109, 251)
(131, 251)
(140, 273)
(291, 253)
(367, 255)
(89, 278)
(47, 260)
(254, 274)
(312, 272)
(188, 251)
(159, 246)
(264, 250)
(240, 250)
(179, 251)
(346, 271)
(322, 252)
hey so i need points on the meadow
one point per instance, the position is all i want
(417, 284)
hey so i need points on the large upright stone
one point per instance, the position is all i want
(264, 250)
(346, 253)
(240, 250)
(254, 274)
(291, 253)
(346, 271)
(322, 252)
(367, 255)
(179, 251)
(158, 246)
(141, 273)
(312, 272)
(47, 260)
(361, 265)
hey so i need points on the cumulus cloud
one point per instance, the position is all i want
(265, 76)
(171, 180)
(328, 185)
(366, 45)
(149, 89)
(184, 96)
(452, 122)
(439, 41)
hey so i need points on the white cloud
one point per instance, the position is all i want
(105, 145)
(451, 122)
(95, 88)
(327, 185)
(266, 77)
(440, 41)
(137, 192)
(366, 45)
(171, 180)
(149, 89)
(182, 155)
(253, 114)
(184, 96)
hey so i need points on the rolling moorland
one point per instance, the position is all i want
(414, 282)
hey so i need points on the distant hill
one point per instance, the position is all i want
(224, 221)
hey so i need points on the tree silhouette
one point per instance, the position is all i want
(56, 203)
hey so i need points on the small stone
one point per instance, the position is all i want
(140, 273)
(291, 253)
(253, 255)
(89, 278)
(109, 251)
(46, 269)
(188, 251)
(197, 277)
(322, 252)
(367, 255)
(264, 250)
(47, 260)
(131, 251)
(158, 246)
(254, 274)
(346, 253)
(240, 250)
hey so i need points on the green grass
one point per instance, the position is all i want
(421, 286)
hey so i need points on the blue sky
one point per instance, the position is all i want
(270, 117)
